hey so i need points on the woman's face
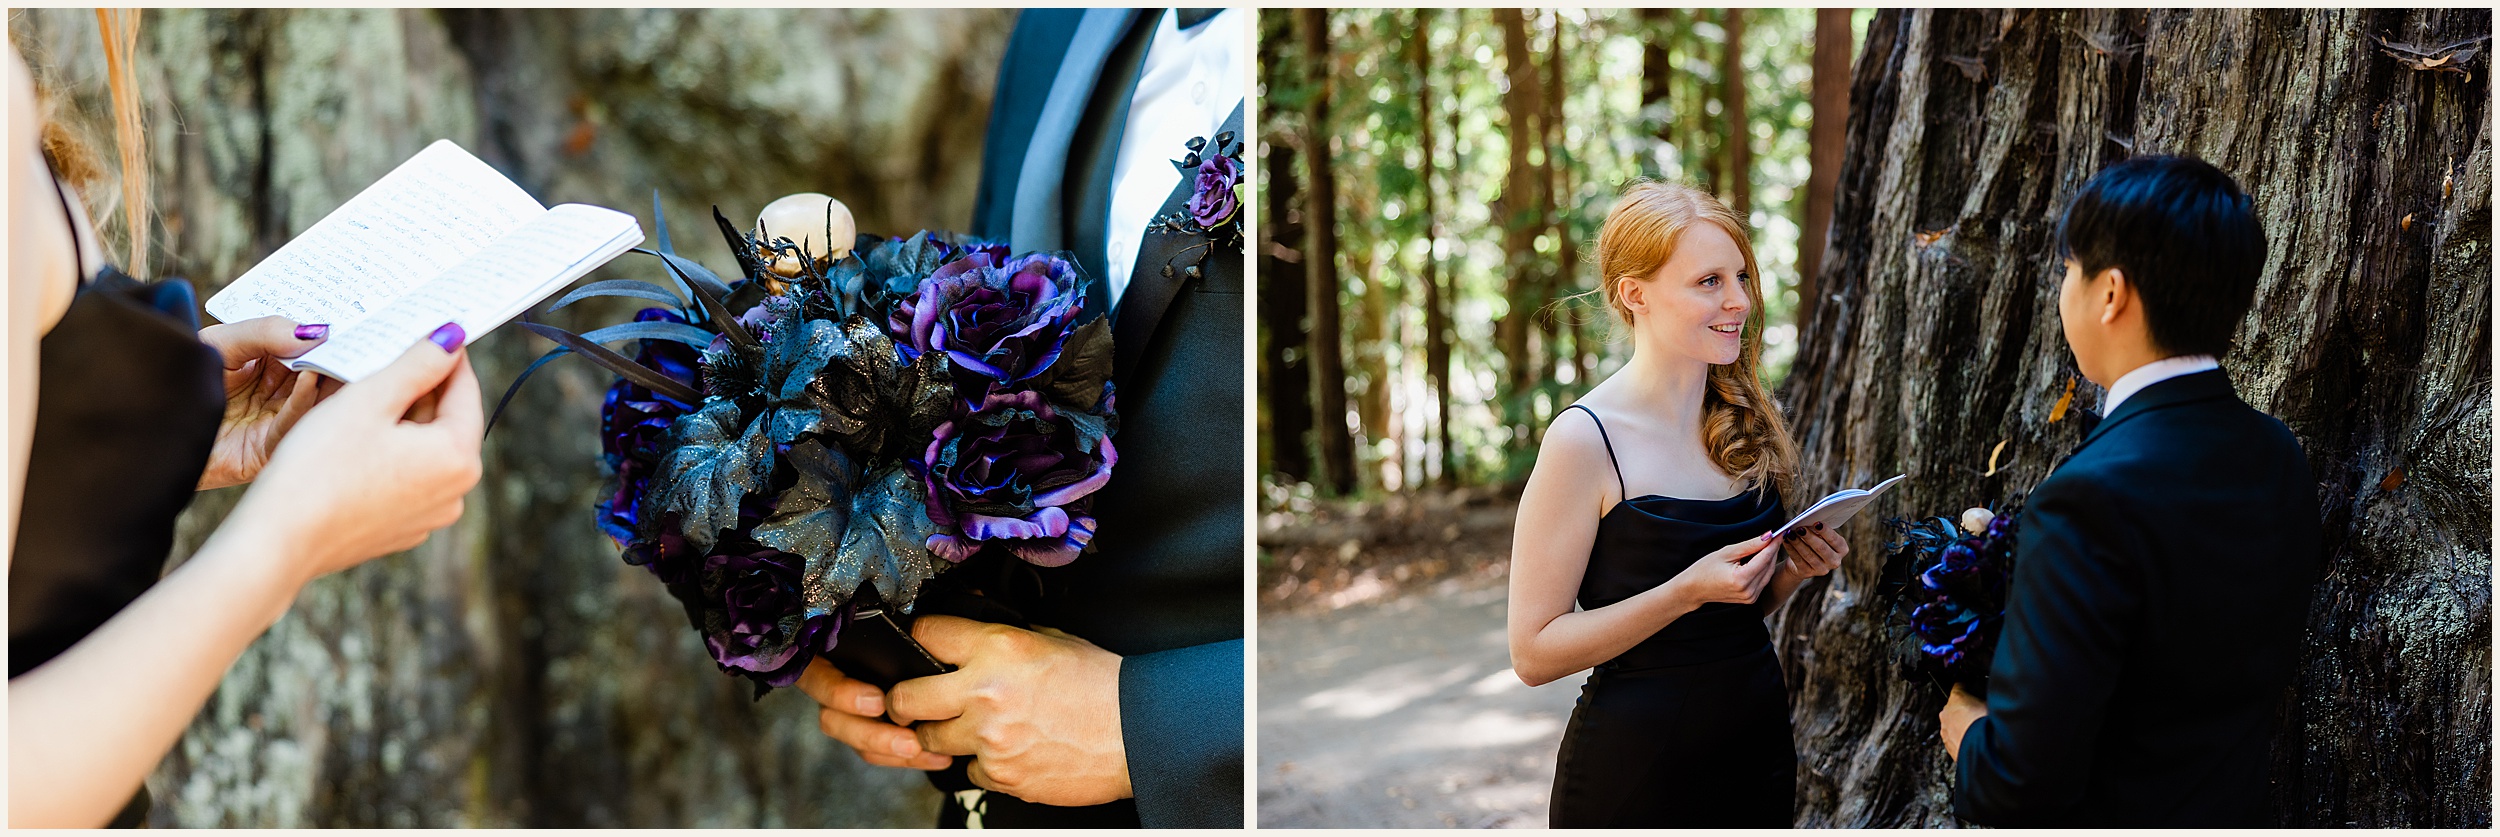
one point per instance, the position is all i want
(1695, 305)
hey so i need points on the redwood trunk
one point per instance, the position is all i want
(1517, 211)
(1732, 107)
(1335, 470)
(1436, 300)
(1824, 140)
(1284, 359)
(2370, 339)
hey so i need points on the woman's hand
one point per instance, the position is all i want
(263, 398)
(1727, 576)
(377, 466)
(1818, 551)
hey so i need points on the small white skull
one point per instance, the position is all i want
(1975, 521)
(801, 218)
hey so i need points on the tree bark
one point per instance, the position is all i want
(1732, 107)
(1436, 299)
(1657, 73)
(1517, 211)
(512, 672)
(1284, 360)
(2370, 339)
(1824, 140)
(1561, 205)
(1334, 472)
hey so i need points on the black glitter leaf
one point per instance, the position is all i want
(712, 466)
(886, 544)
(812, 517)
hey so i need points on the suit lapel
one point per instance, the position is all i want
(1037, 223)
(1153, 281)
(1094, 156)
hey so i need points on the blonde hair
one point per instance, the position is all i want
(1740, 423)
(120, 28)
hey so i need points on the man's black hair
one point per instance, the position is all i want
(2183, 233)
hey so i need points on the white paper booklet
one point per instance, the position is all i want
(1839, 507)
(442, 238)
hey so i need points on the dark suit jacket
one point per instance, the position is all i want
(1164, 587)
(2161, 583)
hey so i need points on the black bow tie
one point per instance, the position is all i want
(1193, 17)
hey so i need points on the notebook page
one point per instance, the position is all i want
(482, 291)
(434, 210)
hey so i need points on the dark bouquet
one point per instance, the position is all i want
(840, 424)
(1946, 582)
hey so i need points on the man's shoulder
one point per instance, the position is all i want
(2190, 437)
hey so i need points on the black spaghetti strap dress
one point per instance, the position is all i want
(1690, 727)
(127, 407)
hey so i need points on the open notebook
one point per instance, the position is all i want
(442, 238)
(1839, 507)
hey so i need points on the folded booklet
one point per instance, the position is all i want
(1839, 507)
(442, 238)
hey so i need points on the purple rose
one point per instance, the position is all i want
(757, 620)
(1214, 203)
(1016, 473)
(1005, 322)
(633, 422)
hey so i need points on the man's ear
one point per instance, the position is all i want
(2117, 295)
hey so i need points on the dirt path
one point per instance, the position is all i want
(1403, 712)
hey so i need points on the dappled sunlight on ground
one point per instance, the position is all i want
(1403, 712)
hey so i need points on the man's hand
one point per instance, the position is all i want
(1039, 712)
(1961, 709)
(853, 712)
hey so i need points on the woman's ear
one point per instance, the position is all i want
(1630, 290)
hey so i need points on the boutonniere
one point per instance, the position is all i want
(1214, 208)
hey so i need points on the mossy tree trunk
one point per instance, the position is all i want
(2370, 338)
(512, 671)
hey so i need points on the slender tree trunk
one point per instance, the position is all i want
(1563, 204)
(1284, 357)
(2370, 338)
(1732, 107)
(1824, 141)
(1554, 271)
(1657, 74)
(1335, 470)
(1708, 133)
(1517, 210)
(1436, 300)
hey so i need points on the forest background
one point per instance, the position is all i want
(1433, 183)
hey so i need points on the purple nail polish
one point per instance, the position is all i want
(311, 332)
(1766, 536)
(450, 337)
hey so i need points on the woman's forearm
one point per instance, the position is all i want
(86, 727)
(1579, 640)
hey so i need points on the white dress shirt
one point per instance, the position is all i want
(2154, 373)
(1190, 82)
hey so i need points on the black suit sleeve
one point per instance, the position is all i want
(2076, 593)
(1181, 721)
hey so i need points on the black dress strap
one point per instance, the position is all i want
(1610, 448)
(77, 252)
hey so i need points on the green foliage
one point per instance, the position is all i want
(1607, 139)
